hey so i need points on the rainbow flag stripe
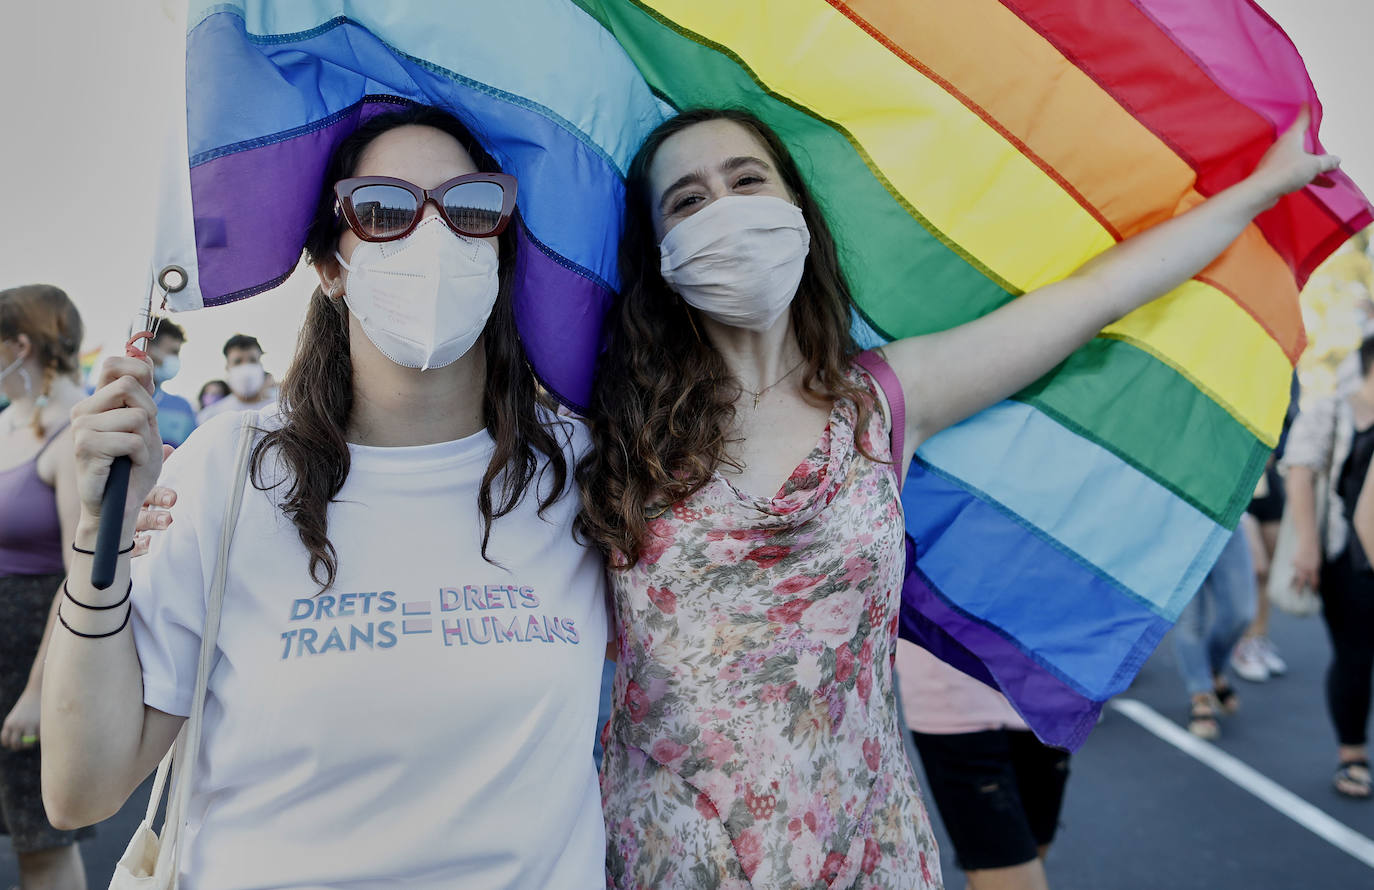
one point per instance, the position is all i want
(964, 153)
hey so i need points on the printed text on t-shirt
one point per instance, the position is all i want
(470, 615)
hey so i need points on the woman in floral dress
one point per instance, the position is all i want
(753, 740)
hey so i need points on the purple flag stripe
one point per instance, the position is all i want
(1059, 714)
(559, 310)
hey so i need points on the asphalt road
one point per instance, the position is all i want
(1140, 813)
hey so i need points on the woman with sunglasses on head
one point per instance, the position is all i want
(743, 488)
(411, 644)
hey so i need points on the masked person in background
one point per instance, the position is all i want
(210, 392)
(40, 339)
(250, 386)
(175, 416)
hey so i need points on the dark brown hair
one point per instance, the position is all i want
(317, 394)
(168, 330)
(48, 317)
(664, 397)
(1367, 355)
(245, 342)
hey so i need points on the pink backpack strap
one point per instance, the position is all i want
(872, 362)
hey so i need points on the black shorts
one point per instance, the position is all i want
(1269, 508)
(24, 604)
(998, 792)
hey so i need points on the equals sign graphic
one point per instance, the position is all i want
(416, 625)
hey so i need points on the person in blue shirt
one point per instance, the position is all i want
(175, 416)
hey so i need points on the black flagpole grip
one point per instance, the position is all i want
(108, 536)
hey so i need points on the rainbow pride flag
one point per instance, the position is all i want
(964, 152)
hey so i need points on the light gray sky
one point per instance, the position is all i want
(85, 118)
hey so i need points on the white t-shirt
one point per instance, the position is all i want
(428, 721)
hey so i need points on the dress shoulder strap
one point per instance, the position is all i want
(873, 362)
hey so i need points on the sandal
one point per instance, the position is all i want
(1202, 718)
(1227, 698)
(1353, 774)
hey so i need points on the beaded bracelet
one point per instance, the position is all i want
(128, 549)
(68, 594)
(78, 633)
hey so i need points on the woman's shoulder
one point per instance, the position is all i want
(861, 373)
(213, 445)
(1321, 414)
(1314, 432)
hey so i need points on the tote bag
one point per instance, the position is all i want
(151, 862)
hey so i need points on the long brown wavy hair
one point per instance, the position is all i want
(48, 317)
(664, 399)
(317, 394)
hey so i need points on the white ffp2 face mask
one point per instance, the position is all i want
(424, 299)
(246, 380)
(739, 259)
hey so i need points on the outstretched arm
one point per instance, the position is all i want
(953, 374)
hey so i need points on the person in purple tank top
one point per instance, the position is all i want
(40, 338)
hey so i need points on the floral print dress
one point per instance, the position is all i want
(753, 739)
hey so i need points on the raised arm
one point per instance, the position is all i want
(953, 374)
(99, 740)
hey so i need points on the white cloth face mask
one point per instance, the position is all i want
(739, 259)
(423, 300)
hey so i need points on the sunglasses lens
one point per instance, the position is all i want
(474, 207)
(383, 211)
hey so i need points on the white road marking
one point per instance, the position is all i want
(1300, 811)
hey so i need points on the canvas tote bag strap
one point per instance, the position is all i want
(187, 746)
(873, 362)
(159, 783)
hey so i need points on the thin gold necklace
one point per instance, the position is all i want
(759, 394)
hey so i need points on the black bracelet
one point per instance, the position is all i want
(78, 633)
(69, 596)
(128, 549)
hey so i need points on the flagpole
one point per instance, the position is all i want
(111, 531)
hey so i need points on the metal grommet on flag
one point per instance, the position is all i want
(172, 279)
